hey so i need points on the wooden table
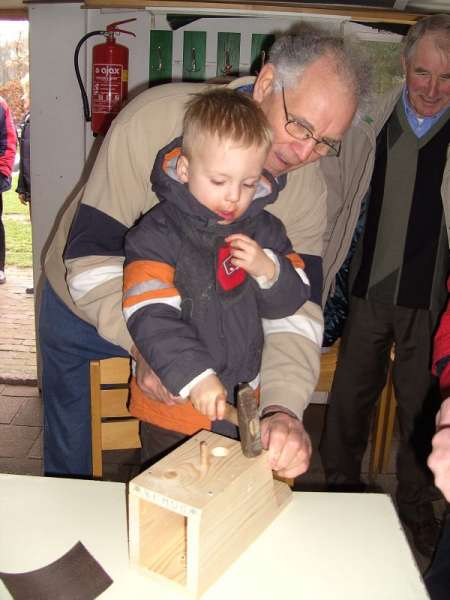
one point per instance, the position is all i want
(322, 546)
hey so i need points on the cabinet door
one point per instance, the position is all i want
(228, 54)
(261, 43)
(194, 55)
(160, 57)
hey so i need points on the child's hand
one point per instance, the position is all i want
(249, 255)
(209, 397)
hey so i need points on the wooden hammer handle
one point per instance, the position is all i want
(231, 414)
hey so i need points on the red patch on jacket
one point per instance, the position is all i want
(228, 275)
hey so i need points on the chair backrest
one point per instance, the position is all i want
(113, 428)
(328, 360)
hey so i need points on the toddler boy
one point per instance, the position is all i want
(205, 266)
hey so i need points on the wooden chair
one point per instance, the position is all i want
(384, 418)
(113, 428)
(385, 423)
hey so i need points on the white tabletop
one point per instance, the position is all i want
(322, 546)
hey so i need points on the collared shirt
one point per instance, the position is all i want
(420, 125)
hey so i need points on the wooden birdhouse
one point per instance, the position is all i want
(195, 511)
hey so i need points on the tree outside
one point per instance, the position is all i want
(13, 64)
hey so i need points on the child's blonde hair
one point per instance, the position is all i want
(228, 115)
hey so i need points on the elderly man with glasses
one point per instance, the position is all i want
(302, 132)
(398, 272)
(309, 91)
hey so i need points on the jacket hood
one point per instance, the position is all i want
(169, 188)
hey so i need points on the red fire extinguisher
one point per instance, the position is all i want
(109, 77)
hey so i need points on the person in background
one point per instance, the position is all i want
(437, 578)
(23, 188)
(204, 266)
(8, 146)
(398, 273)
(309, 92)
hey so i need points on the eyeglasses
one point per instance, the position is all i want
(301, 133)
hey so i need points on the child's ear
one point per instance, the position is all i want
(183, 168)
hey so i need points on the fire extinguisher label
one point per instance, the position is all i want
(106, 88)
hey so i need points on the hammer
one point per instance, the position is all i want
(246, 418)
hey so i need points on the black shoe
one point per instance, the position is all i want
(29, 291)
(425, 534)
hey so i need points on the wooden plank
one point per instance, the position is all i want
(120, 435)
(163, 541)
(14, 14)
(114, 403)
(115, 371)
(328, 362)
(357, 14)
(235, 519)
(181, 477)
(390, 424)
(96, 432)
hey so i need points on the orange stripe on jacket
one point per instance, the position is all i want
(178, 417)
(296, 261)
(141, 271)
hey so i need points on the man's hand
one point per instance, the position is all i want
(23, 199)
(150, 383)
(439, 459)
(209, 397)
(288, 444)
(249, 255)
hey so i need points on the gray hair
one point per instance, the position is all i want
(436, 25)
(293, 52)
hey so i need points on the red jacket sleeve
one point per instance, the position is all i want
(441, 351)
(8, 140)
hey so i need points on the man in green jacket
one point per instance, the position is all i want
(398, 273)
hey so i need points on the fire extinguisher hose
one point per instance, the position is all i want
(84, 98)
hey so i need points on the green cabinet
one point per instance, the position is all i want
(194, 55)
(261, 43)
(228, 54)
(160, 68)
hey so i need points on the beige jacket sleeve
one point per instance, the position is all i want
(291, 361)
(119, 190)
(95, 281)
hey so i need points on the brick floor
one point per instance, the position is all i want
(17, 330)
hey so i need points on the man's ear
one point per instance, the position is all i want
(264, 84)
(182, 168)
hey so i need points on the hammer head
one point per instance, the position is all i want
(248, 420)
